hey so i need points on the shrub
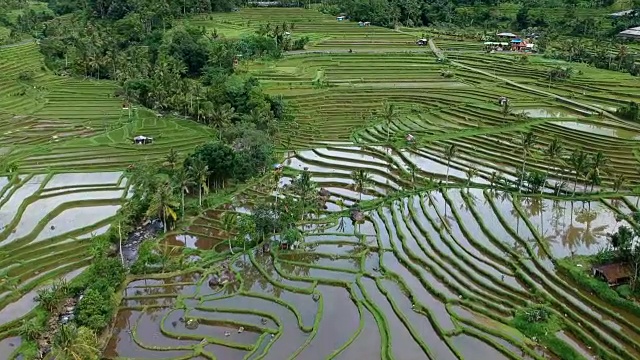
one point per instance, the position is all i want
(31, 329)
(95, 309)
(25, 76)
(624, 291)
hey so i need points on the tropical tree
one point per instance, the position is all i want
(579, 162)
(199, 171)
(527, 140)
(554, 153)
(222, 117)
(171, 160)
(389, 114)
(618, 182)
(162, 204)
(361, 178)
(596, 162)
(449, 153)
(229, 225)
(183, 180)
(412, 170)
(471, 173)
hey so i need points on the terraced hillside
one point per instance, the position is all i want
(54, 123)
(46, 221)
(69, 141)
(439, 269)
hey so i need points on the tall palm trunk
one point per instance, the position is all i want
(120, 235)
(200, 194)
(164, 220)
(524, 161)
(575, 184)
(182, 202)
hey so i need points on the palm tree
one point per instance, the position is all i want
(361, 179)
(597, 162)
(618, 182)
(162, 204)
(229, 224)
(222, 117)
(200, 173)
(622, 53)
(183, 180)
(471, 173)
(412, 169)
(579, 161)
(449, 153)
(554, 153)
(389, 114)
(527, 141)
(171, 160)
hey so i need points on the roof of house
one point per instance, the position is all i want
(614, 272)
(633, 32)
(508, 34)
(621, 13)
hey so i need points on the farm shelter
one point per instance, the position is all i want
(613, 274)
(142, 140)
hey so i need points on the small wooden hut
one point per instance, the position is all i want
(613, 274)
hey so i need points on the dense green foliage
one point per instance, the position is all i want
(539, 323)
(483, 14)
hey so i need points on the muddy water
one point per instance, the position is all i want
(571, 227)
(367, 344)
(36, 211)
(8, 346)
(122, 343)
(225, 352)
(420, 323)
(292, 336)
(337, 305)
(76, 218)
(9, 209)
(473, 348)
(83, 179)
(402, 344)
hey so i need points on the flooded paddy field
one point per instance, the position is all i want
(450, 249)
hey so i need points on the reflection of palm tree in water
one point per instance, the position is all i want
(574, 236)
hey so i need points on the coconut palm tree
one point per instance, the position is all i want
(182, 180)
(361, 179)
(171, 160)
(471, 173)
(389, 114)
(449, 153)
(222, 117)
(579, 161)
(554, 153)
(412, 170)
(527, 140)
(623, 50)
(229, 224)
(597, 162)
(200, 173)
(618, 182)
(162, 204)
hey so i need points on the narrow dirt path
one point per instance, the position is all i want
(440, 54)
(23, 42)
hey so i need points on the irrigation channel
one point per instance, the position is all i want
(432, 274)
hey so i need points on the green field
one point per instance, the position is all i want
(71, 141)
(429, 275)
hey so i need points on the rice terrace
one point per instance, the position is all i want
(459, 203)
